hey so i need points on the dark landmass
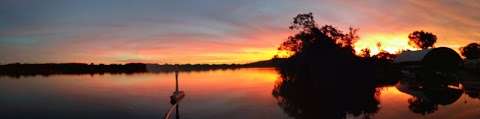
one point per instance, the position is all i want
(17, 69)
(325, 78)
(274, 62)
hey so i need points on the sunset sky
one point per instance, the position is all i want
(212, 31)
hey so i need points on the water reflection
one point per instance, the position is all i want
(233, 94)
(471, 85)
(431, 90)
(175, 99)
(472, 91)
(300, 102)
(305, 98)
(228, 94)
(426, 100)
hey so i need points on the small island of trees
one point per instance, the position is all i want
(325, 78)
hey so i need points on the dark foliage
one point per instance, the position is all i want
(274, 62)
(16, 70)
(422, 39)
(169, 68)
(310, 36)
(385, 56)
(384, 70)
(471, 51)
(327, 50)
(324, 78)
(365, 53)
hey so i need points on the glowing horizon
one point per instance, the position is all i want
(214, 32)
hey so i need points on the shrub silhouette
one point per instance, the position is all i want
(471, 51)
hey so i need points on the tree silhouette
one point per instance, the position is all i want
(303, 22)
(365, 53)
(384, 55)
(324, 63)
(471, 51)
(422, 39)
(309, 35)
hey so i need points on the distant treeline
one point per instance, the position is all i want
(205, 67)
(18, 69)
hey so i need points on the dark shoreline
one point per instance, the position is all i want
(18, 70)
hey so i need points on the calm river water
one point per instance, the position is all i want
(221, 94)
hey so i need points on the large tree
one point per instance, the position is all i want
(422, 39)
(324, 63)
(309, 35)
(471, 51)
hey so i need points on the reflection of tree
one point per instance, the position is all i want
(304, 99)
(421, 106)
(427, 100)
(471, 84)
(428, 95)
(473, 93)
(472, 88)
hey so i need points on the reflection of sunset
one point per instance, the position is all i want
(243, 91)
(392, 94)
